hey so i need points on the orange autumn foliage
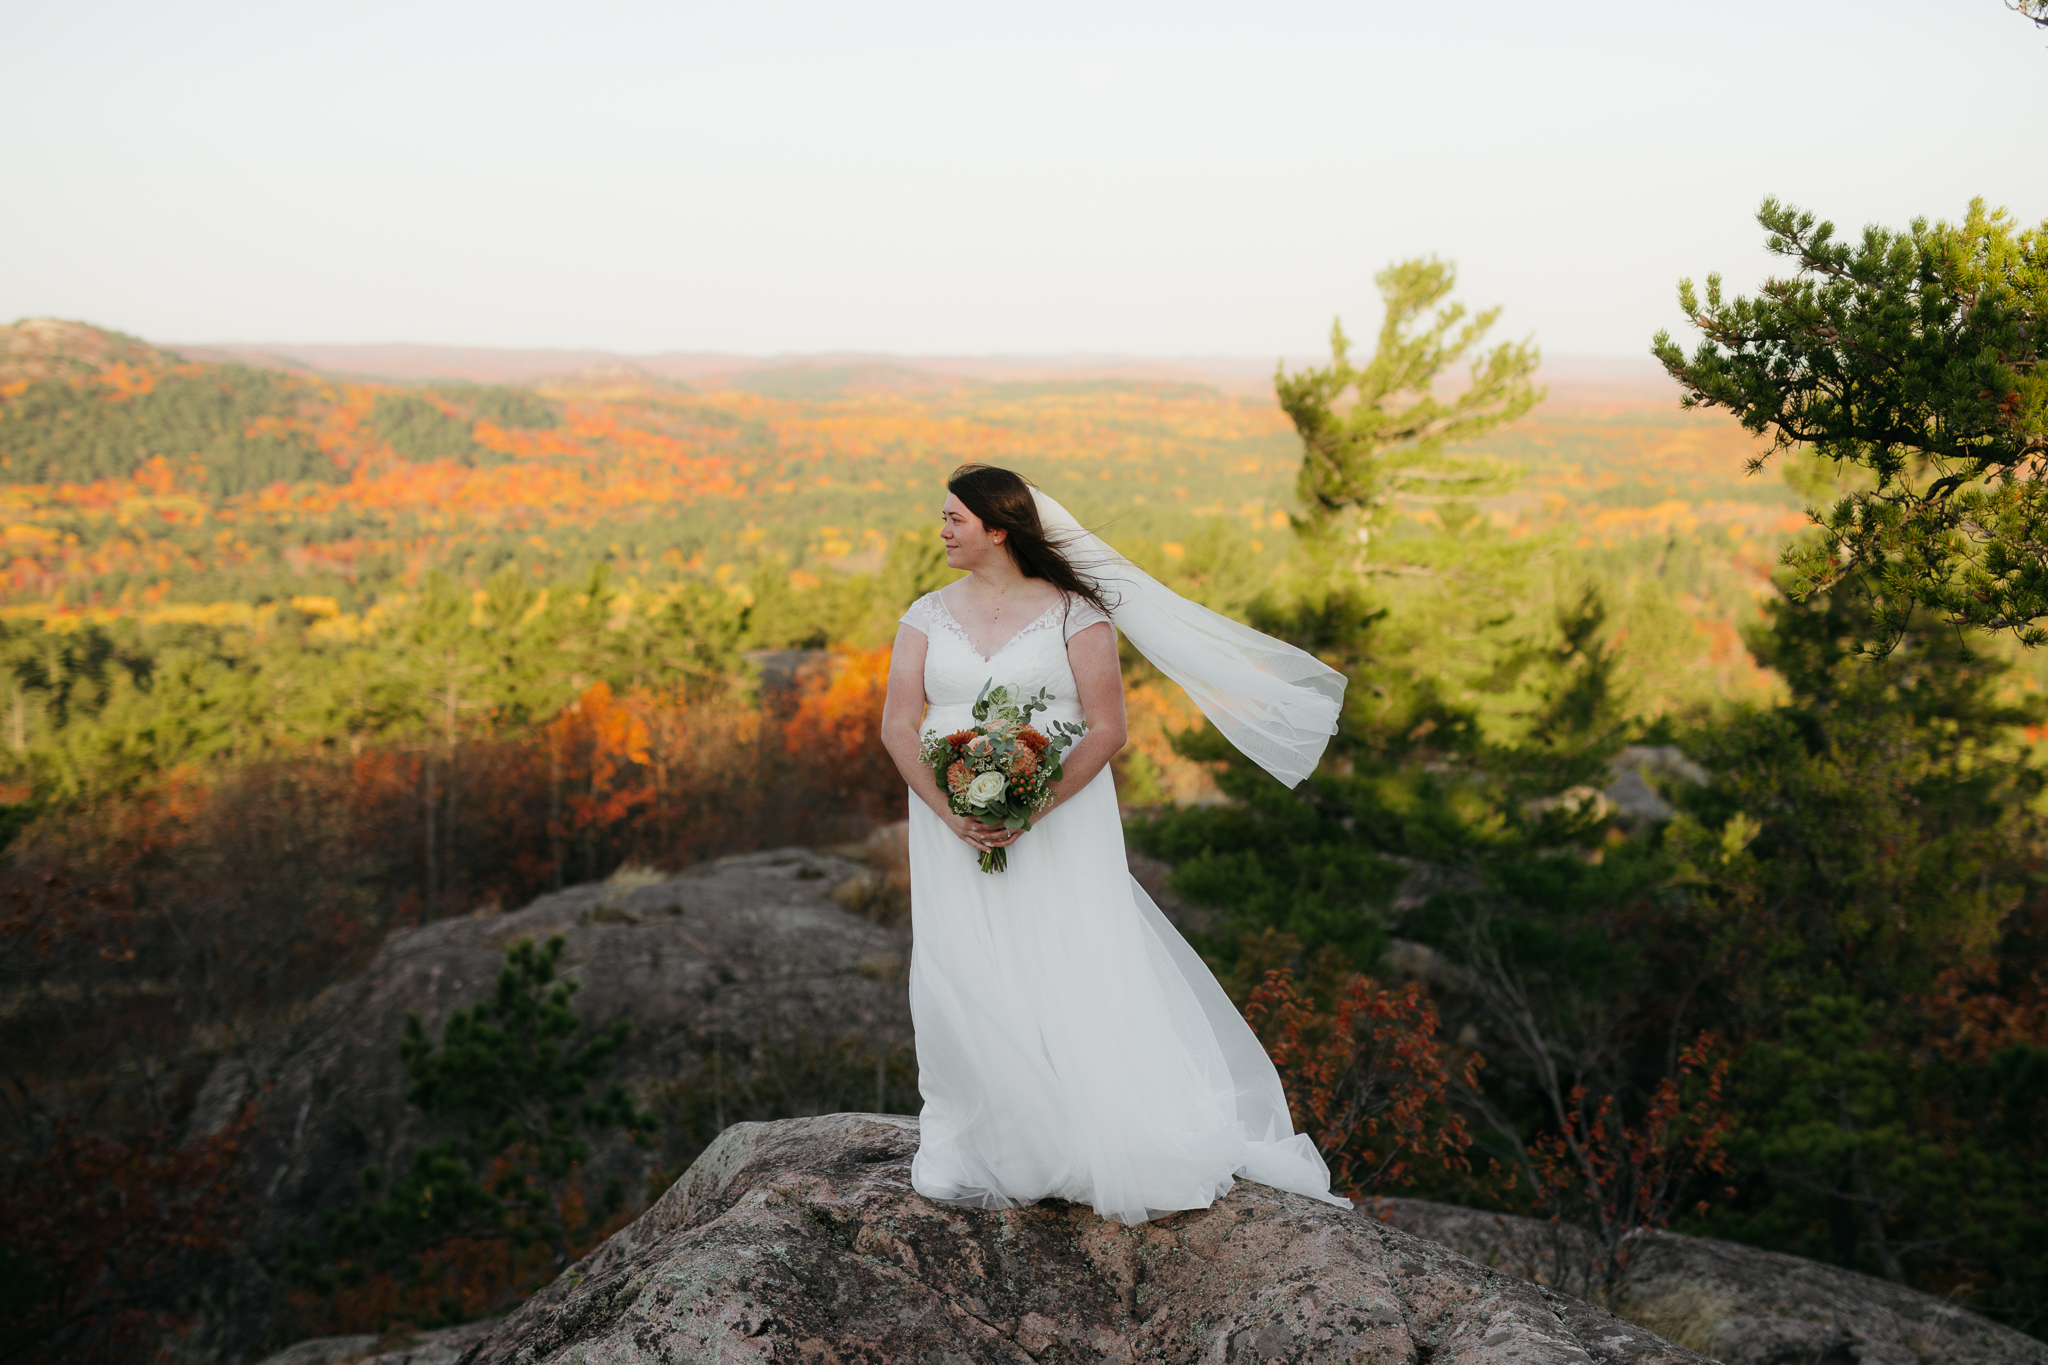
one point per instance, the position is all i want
(653, 468)
(608, 740)
(1365, 1079)
(834, 732)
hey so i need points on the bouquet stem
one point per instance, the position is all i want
(995, 859)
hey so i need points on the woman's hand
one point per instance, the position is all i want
(978, 836)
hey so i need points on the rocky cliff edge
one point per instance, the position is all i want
(803, 1241)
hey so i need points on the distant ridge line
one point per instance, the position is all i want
(415, 362)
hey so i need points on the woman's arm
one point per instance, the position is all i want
(1099, 678)
(901, 713)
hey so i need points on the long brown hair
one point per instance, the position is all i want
(1003, 501)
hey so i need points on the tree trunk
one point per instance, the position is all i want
(451, 706)
(661, 830)
(429, 803)
(555, 804)
(717, 1089)
(453, 783)
(1842, 1236)
(1879, 1242)
(590, 818)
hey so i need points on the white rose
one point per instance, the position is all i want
(985, 788)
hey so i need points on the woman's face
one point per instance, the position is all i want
(969, 544)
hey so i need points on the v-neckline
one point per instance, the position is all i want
(966, 635)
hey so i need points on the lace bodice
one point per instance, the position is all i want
(1035, 657)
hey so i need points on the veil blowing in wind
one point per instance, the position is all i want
(1278, 705)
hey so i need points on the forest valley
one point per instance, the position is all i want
(291, 662)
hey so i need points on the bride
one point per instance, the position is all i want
(1069, 1043)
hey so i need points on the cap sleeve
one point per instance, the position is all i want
(1081, 614)
(918, 618)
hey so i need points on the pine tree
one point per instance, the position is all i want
(506, 1077)
(1913, 360)
(1375, 433)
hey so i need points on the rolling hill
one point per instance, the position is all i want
(138, 480)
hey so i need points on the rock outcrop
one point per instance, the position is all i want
(443, 1347)
(802, 1241)
(1740, 1304)
(748, 950)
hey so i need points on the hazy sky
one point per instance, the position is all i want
(951, 178)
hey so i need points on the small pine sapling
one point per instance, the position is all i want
(505, 1076)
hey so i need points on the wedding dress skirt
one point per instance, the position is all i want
(1069, 1042)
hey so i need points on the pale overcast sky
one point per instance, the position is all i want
(1157, 179)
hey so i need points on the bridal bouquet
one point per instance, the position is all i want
(1001, 772)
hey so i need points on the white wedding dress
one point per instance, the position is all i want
(1069, 1042)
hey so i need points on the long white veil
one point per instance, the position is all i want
(1277, 704)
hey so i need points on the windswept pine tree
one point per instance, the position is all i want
(1911, 361)
(1383, 431)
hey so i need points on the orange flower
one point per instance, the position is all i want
(1025, 763)
(1036, 741)
(958, 739)
(957, 776)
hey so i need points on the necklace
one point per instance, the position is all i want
(1001, 599)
